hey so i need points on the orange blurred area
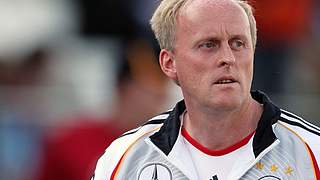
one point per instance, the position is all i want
(284, 20)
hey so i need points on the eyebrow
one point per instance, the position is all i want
(244, 37)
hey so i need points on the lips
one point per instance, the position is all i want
(225, 80)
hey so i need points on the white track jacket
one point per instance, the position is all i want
(285, 147)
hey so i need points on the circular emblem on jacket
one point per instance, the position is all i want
(155, 171)
(269, 177)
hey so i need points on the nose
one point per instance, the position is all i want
(226, 56)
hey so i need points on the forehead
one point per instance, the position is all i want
(213, 5)
(213, 12)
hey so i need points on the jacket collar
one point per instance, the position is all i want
(166, 137)
(265, 136)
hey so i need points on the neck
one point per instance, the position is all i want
(218, 130)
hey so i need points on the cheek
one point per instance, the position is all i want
(247, 68)
(188, 65)
(190, 72)
(187, 72)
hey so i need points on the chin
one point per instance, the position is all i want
(227, 103)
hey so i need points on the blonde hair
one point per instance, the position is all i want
(164, 18)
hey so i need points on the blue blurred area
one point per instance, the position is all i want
(61, 60)
(20, 144)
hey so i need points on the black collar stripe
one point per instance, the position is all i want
(167, 112)
(294, 123)
(302, 121)
(159, 119)
(129, 132)
(154, 121)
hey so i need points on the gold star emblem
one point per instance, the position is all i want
(288, 170)
(274, 168)
(259, 166)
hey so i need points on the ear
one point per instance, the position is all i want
(168, 64)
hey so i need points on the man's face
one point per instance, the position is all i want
(213, 54)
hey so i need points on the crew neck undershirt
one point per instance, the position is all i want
(217, 164)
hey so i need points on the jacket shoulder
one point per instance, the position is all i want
(306, 131)
(113, 155)
(299, 125)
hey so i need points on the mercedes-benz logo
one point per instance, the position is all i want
(155, 171)
(269, 177)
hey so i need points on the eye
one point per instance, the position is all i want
(209, 45)
(237, 44)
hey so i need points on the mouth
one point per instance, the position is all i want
(225, 80)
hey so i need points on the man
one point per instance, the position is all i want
(220, 130)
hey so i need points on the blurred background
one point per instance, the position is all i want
(76, 74)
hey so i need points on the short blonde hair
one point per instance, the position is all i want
(164, 19)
